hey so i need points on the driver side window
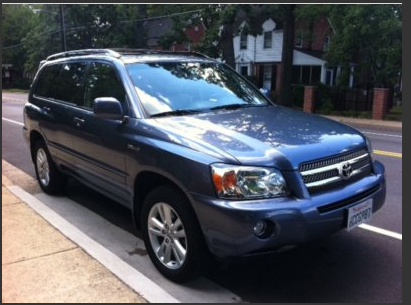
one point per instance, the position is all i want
(102, 81)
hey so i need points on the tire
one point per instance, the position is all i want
(181, 249)
(49, 177)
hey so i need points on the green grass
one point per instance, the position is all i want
(14, 90)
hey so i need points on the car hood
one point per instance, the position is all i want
(265, 136)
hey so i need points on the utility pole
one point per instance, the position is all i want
(62, 28)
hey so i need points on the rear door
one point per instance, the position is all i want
(99, 143)
(58, 92)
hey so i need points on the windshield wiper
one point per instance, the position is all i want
(175, 112)
(235, 106)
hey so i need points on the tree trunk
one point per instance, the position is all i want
(227, 45)
(287, 56)
(141, 34)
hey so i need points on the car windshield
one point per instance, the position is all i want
(188, 87)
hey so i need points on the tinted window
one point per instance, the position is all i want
(69, 85)
(102, 81)
(168, 86)
(46, 80)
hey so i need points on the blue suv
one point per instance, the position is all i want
(205, 162)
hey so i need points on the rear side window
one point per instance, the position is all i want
(69, 85)
(102, 81)
(46, 80)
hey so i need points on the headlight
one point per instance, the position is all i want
(369, 147)
(245, 182)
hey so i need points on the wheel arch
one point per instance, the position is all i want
(148, 180)
(35, 136)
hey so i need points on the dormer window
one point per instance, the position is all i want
(327, 40)
(243, 42)
(268, 39)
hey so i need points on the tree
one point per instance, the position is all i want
(370, 35)
(287, 54)
(17, 20)
(218, 20)
(87, 26)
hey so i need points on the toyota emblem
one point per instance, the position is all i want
(346, 170)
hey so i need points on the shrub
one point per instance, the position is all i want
(326, 106)
(297, 95)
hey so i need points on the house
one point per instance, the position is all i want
(157, 28)
(260, 57)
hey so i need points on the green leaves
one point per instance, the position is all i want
(370, 35)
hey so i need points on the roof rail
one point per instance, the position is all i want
(119, 52)
(83, 52)
(150, 51)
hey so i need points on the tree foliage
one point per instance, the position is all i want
(33, 36)
(17, 20)
(370, 35)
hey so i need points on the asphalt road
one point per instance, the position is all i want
(360, 266)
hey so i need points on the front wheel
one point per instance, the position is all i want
(172, 235)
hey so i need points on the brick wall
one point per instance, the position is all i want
(321, 28)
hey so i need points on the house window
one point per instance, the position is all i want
(329, 76)
(244, 70)
(327, 40)
(306, 74)
(187, 46)
(315, 74)
(299, 41)
(268, 38)
(243, 42)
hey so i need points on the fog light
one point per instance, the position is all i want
(260, 227)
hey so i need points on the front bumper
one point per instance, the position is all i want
(228, 225)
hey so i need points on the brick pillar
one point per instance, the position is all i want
(309, 99)
(380, 103)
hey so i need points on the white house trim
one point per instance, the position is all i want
(304, 59)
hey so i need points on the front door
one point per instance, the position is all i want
(98, 143)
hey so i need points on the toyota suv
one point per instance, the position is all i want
(205, 162)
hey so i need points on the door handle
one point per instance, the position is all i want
(79, 121)
(46, 109)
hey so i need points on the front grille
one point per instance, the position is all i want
(332, 160)
(327, 173)
(342, 203)
(320, 176)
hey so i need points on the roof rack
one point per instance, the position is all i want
(115, 52)
(126, 51)
(83, 52)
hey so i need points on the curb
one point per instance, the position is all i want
(138, 282)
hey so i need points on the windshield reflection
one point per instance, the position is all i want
(170, 86)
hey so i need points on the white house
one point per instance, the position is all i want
(260, 57)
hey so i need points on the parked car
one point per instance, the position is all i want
(204, 161)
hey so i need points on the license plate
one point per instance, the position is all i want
(359, 214)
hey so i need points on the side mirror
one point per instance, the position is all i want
(266, 92)
(108, 108)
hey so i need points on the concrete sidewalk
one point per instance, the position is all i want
(39, 264)
(378, 124)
